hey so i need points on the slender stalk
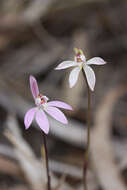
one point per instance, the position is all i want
(86, 158)
(47, 163)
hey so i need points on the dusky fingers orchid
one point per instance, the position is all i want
(38, 112)
(79, 64)
(42, 106)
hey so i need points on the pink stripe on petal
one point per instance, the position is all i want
(42, 121)
(29, 116)
(60, 104)
(34, 87)
(96, 61)
(57, 114)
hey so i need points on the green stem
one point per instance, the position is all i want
(47, 163)
(86, 158)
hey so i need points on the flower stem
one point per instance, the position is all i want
(47, 163)
(86, 157)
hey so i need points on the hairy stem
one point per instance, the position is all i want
(86, 158)
(47, 163)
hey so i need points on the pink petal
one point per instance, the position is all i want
(60, 104)
(42, 121)
(57, 114)
(96, 61)
(90, 76)
(73, 77)
(29, 116)
(34, 87)
(66, 64)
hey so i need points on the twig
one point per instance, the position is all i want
(101, 146)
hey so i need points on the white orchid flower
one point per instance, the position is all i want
(80, 63)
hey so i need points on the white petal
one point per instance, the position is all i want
(73, 77)
(90, 76)
(96, 61)
(65, 65)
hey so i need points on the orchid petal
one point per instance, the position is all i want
(42, 121)
(57, 114)
(90, 76)
(66, 64)
(29, 116)
(96, 61)
(34, 87)
(60, 104)
(73, 77)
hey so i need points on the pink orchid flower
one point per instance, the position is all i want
(42, 106)
(80, 63)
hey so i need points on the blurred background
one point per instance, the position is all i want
(35, 36)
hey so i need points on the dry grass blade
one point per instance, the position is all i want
(103, 160)
(29, 15)
(10, 169)
(32, 168)
(18, 187)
